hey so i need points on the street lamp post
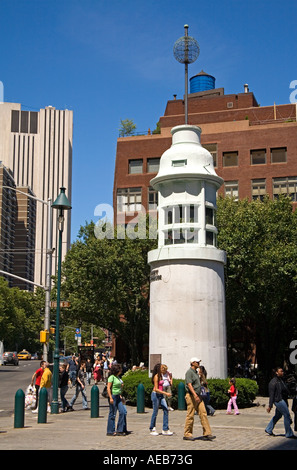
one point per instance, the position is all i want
(61, 204)
(49, 253)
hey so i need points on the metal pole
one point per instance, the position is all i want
(186, 93)
(55, 402)
(186, 74)
(49, 254)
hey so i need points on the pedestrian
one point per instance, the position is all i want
(205, 393)
(97, 371)
(89, 370)
(167, 384)
(80, 388)
(158, 399)
(278, 396)
(232, 392)
(115, 399)
(37, 376)
(106, 369)
(46, 381)
(195, 403)
(63, 385)
(72, 369)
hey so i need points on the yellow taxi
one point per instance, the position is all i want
(24, 355)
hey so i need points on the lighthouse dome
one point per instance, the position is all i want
(186, 158)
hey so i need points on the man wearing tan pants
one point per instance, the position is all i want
(195, 403)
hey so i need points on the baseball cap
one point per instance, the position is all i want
(194, 359)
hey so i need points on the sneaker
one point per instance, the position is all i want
(154, 432)
(208, 438)
(170, 409)
(167, 433)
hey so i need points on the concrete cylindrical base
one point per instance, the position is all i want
(187, 315)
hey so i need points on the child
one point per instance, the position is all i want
(233, 396)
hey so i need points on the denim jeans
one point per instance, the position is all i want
(158, 399)
(63, 391)
(117, 405)
(72, 376)
(83, 394)
(281, 409)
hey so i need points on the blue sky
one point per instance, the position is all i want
(109, 60)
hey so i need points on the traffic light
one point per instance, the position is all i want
(44, 336)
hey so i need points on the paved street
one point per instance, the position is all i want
(78, 431)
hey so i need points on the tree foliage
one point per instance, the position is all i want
(107, 282)
(260, 239)
(20, 317)
(127, 127)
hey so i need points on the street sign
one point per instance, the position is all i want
(63, 304)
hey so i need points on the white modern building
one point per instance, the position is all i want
(187, 292)
(37, 148)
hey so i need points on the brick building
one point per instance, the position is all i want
(254, 148)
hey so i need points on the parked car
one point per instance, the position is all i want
(24, 355)
(10, 358)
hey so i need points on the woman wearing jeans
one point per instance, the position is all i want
(114, 390)
(158, 399)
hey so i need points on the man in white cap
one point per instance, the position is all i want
(195, 403)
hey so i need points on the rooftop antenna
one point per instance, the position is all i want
(186, 50)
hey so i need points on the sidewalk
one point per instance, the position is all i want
(76, 430)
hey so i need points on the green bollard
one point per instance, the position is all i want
(42, 405)
(181, 391)
(140, 398)
(94, 402)
(19, 409)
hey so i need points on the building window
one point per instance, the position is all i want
(129, 200)
(24, 121)
(209, 216)
(210, 238)
(33, 122)
(181, 214)
(213, 149)
(279, 155)
(178, 163)
(258, 157)
(15, 116)
(135, 167)
(231, 189)
(181, 235)
(230, 158)
(258, 189)
(153, 165)
(152, 198)
(286, 186)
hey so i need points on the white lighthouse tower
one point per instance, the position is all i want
(187, 291)
(187, 294)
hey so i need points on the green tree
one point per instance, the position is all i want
(107, 282)
(127, 127)
(260, 239)
(20, 317)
